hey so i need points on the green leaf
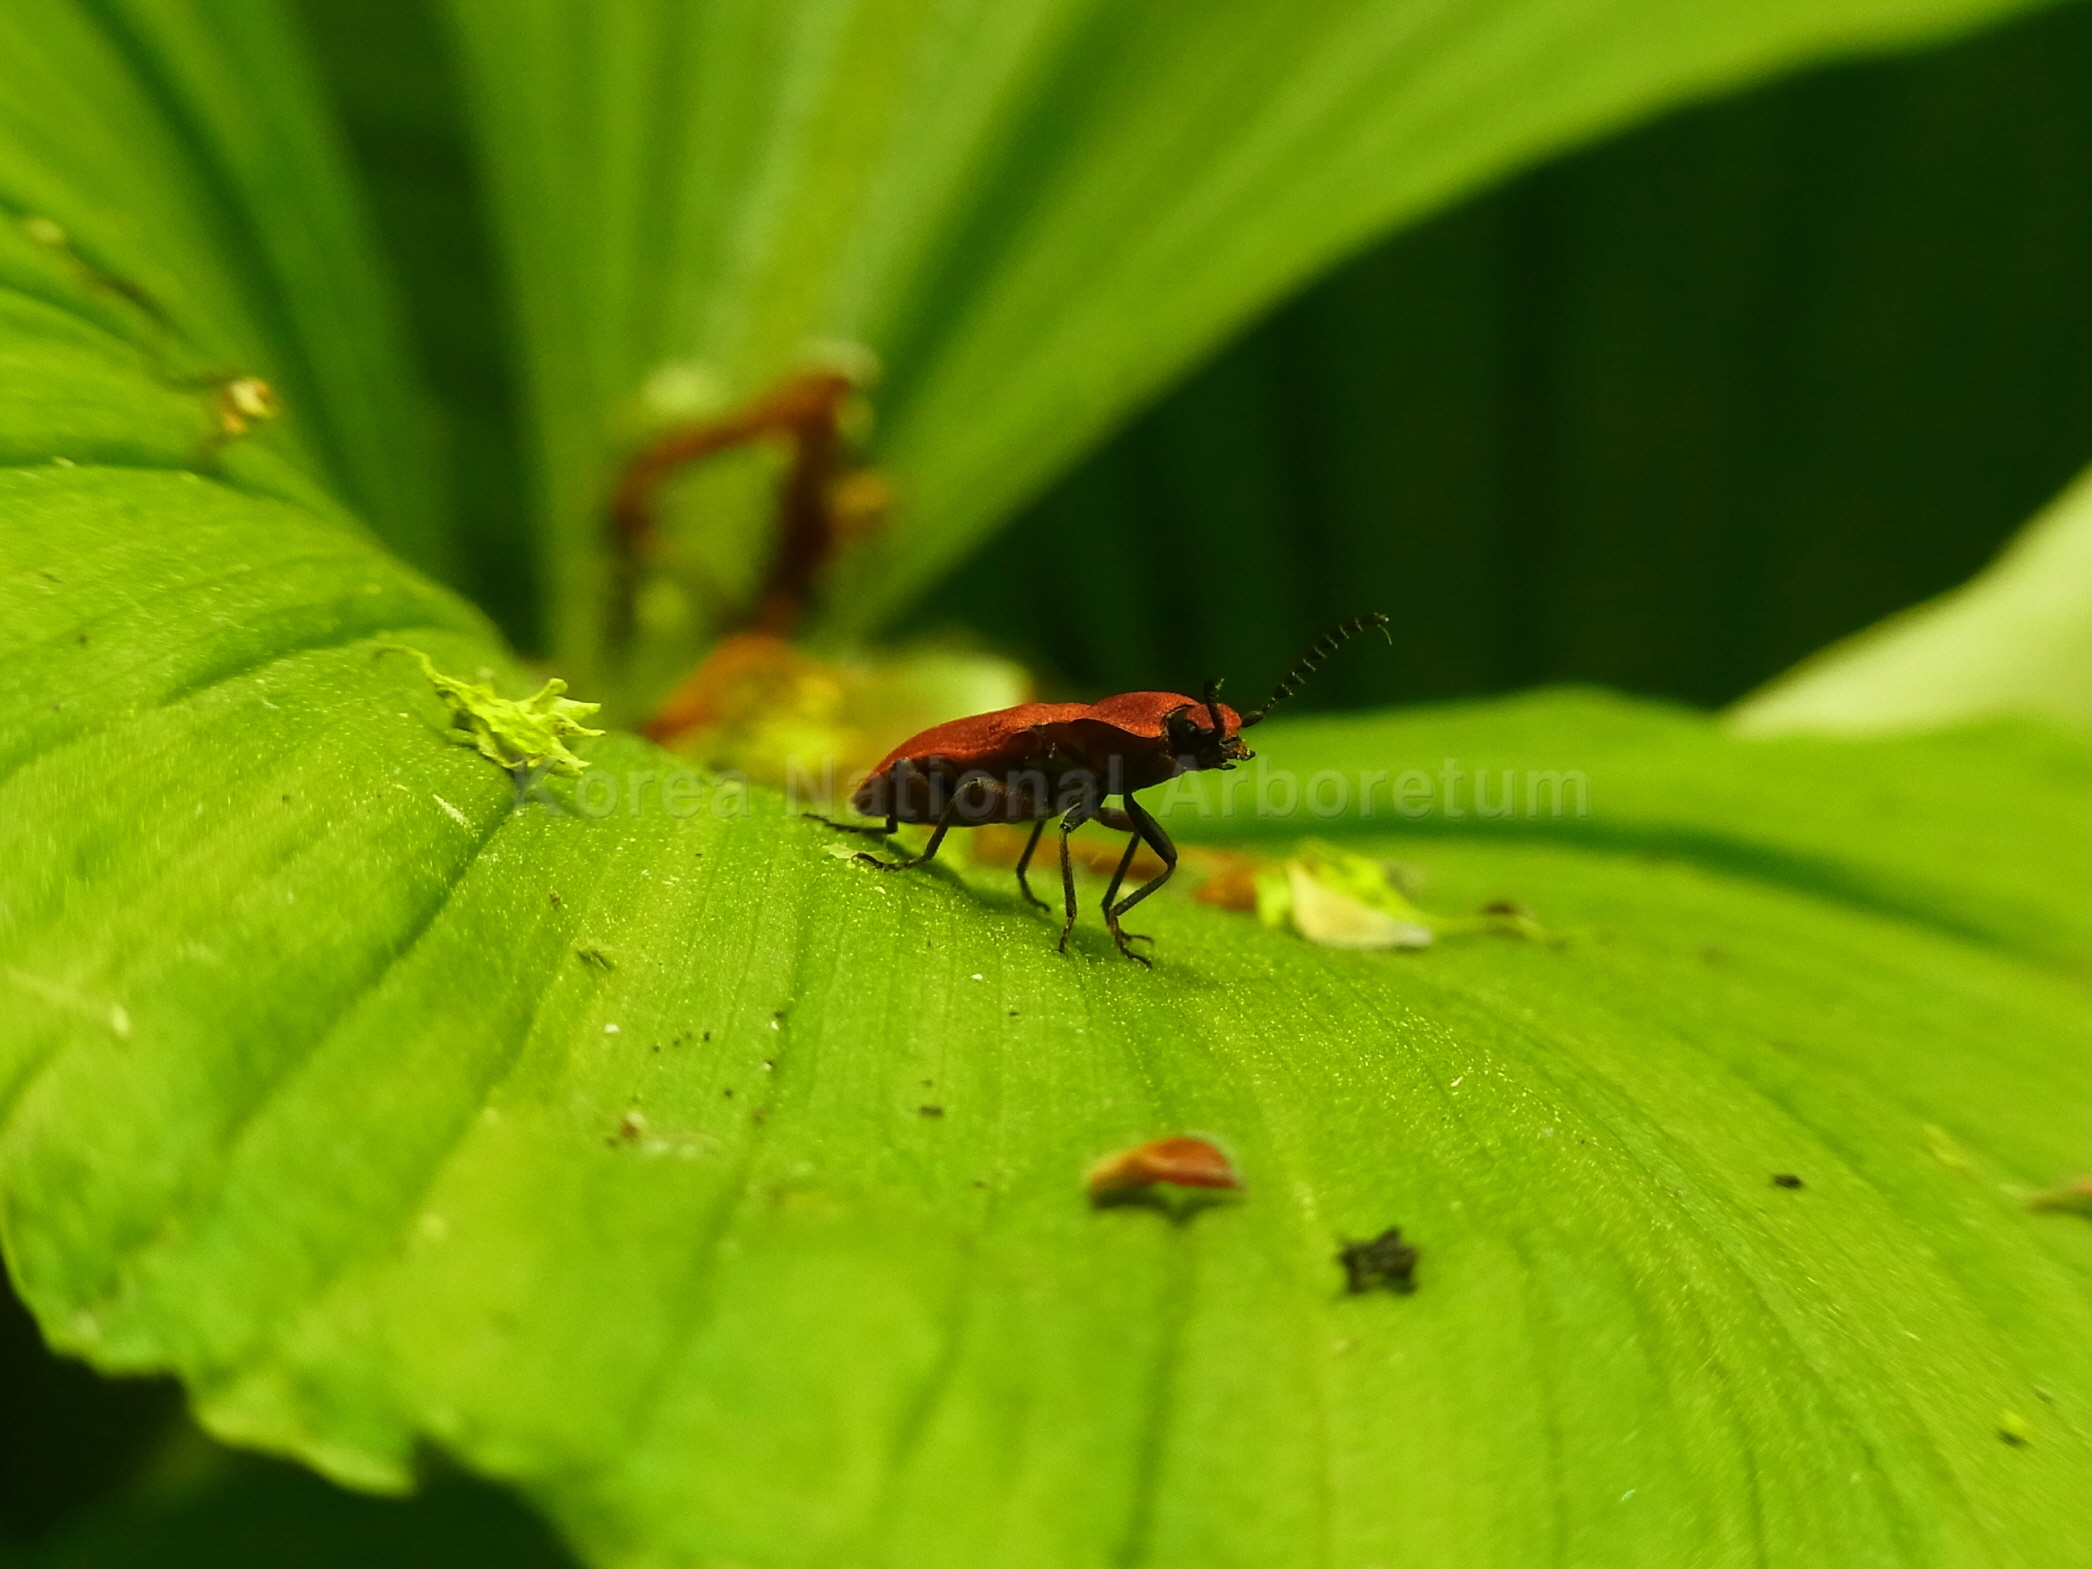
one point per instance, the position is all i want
(1036, 213)
(626, 1140)
(210, 233)
(2016, 639)
(315, 1096)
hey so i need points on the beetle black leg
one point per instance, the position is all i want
(1111, 919)
(944, 824)
(1145, 828)
(1024, 863)
(1078, 814)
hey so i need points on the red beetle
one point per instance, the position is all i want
(1038, 761)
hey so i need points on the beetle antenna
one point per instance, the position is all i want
(1314, 658)
(1213, 704)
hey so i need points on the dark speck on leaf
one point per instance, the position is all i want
(596, 958)
(556, 899)
(930, 1111)
(1785, 1179)
(708, 1035)
(2016, 1440)
(1505, 907)
(729, 1094)
(1714, 953)
(1385, 1261)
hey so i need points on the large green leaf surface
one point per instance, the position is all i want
(726, 1196)
(1034, 211)
(312, 1096)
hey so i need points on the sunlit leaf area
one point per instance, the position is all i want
(647, 915)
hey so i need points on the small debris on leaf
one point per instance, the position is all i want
(1231, 880)
(2073, 1198)
(930, 1111)
(1182, 1162)
(1336, 918)
(1385, 1261)
(1340, 899)
(244, 402)
(2014, 1429)
(595, 958)
(1947, 1150)
(1785, 1179)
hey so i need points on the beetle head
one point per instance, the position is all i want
(1214, 743)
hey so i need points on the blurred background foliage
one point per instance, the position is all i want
(1667, 414)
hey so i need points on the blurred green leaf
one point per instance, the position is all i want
(388, 68)
(1035, 213)
(2015, 640)
(212, 233)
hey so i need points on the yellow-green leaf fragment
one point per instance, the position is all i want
(1334, 917)
(529, 734)
(1342, 899)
